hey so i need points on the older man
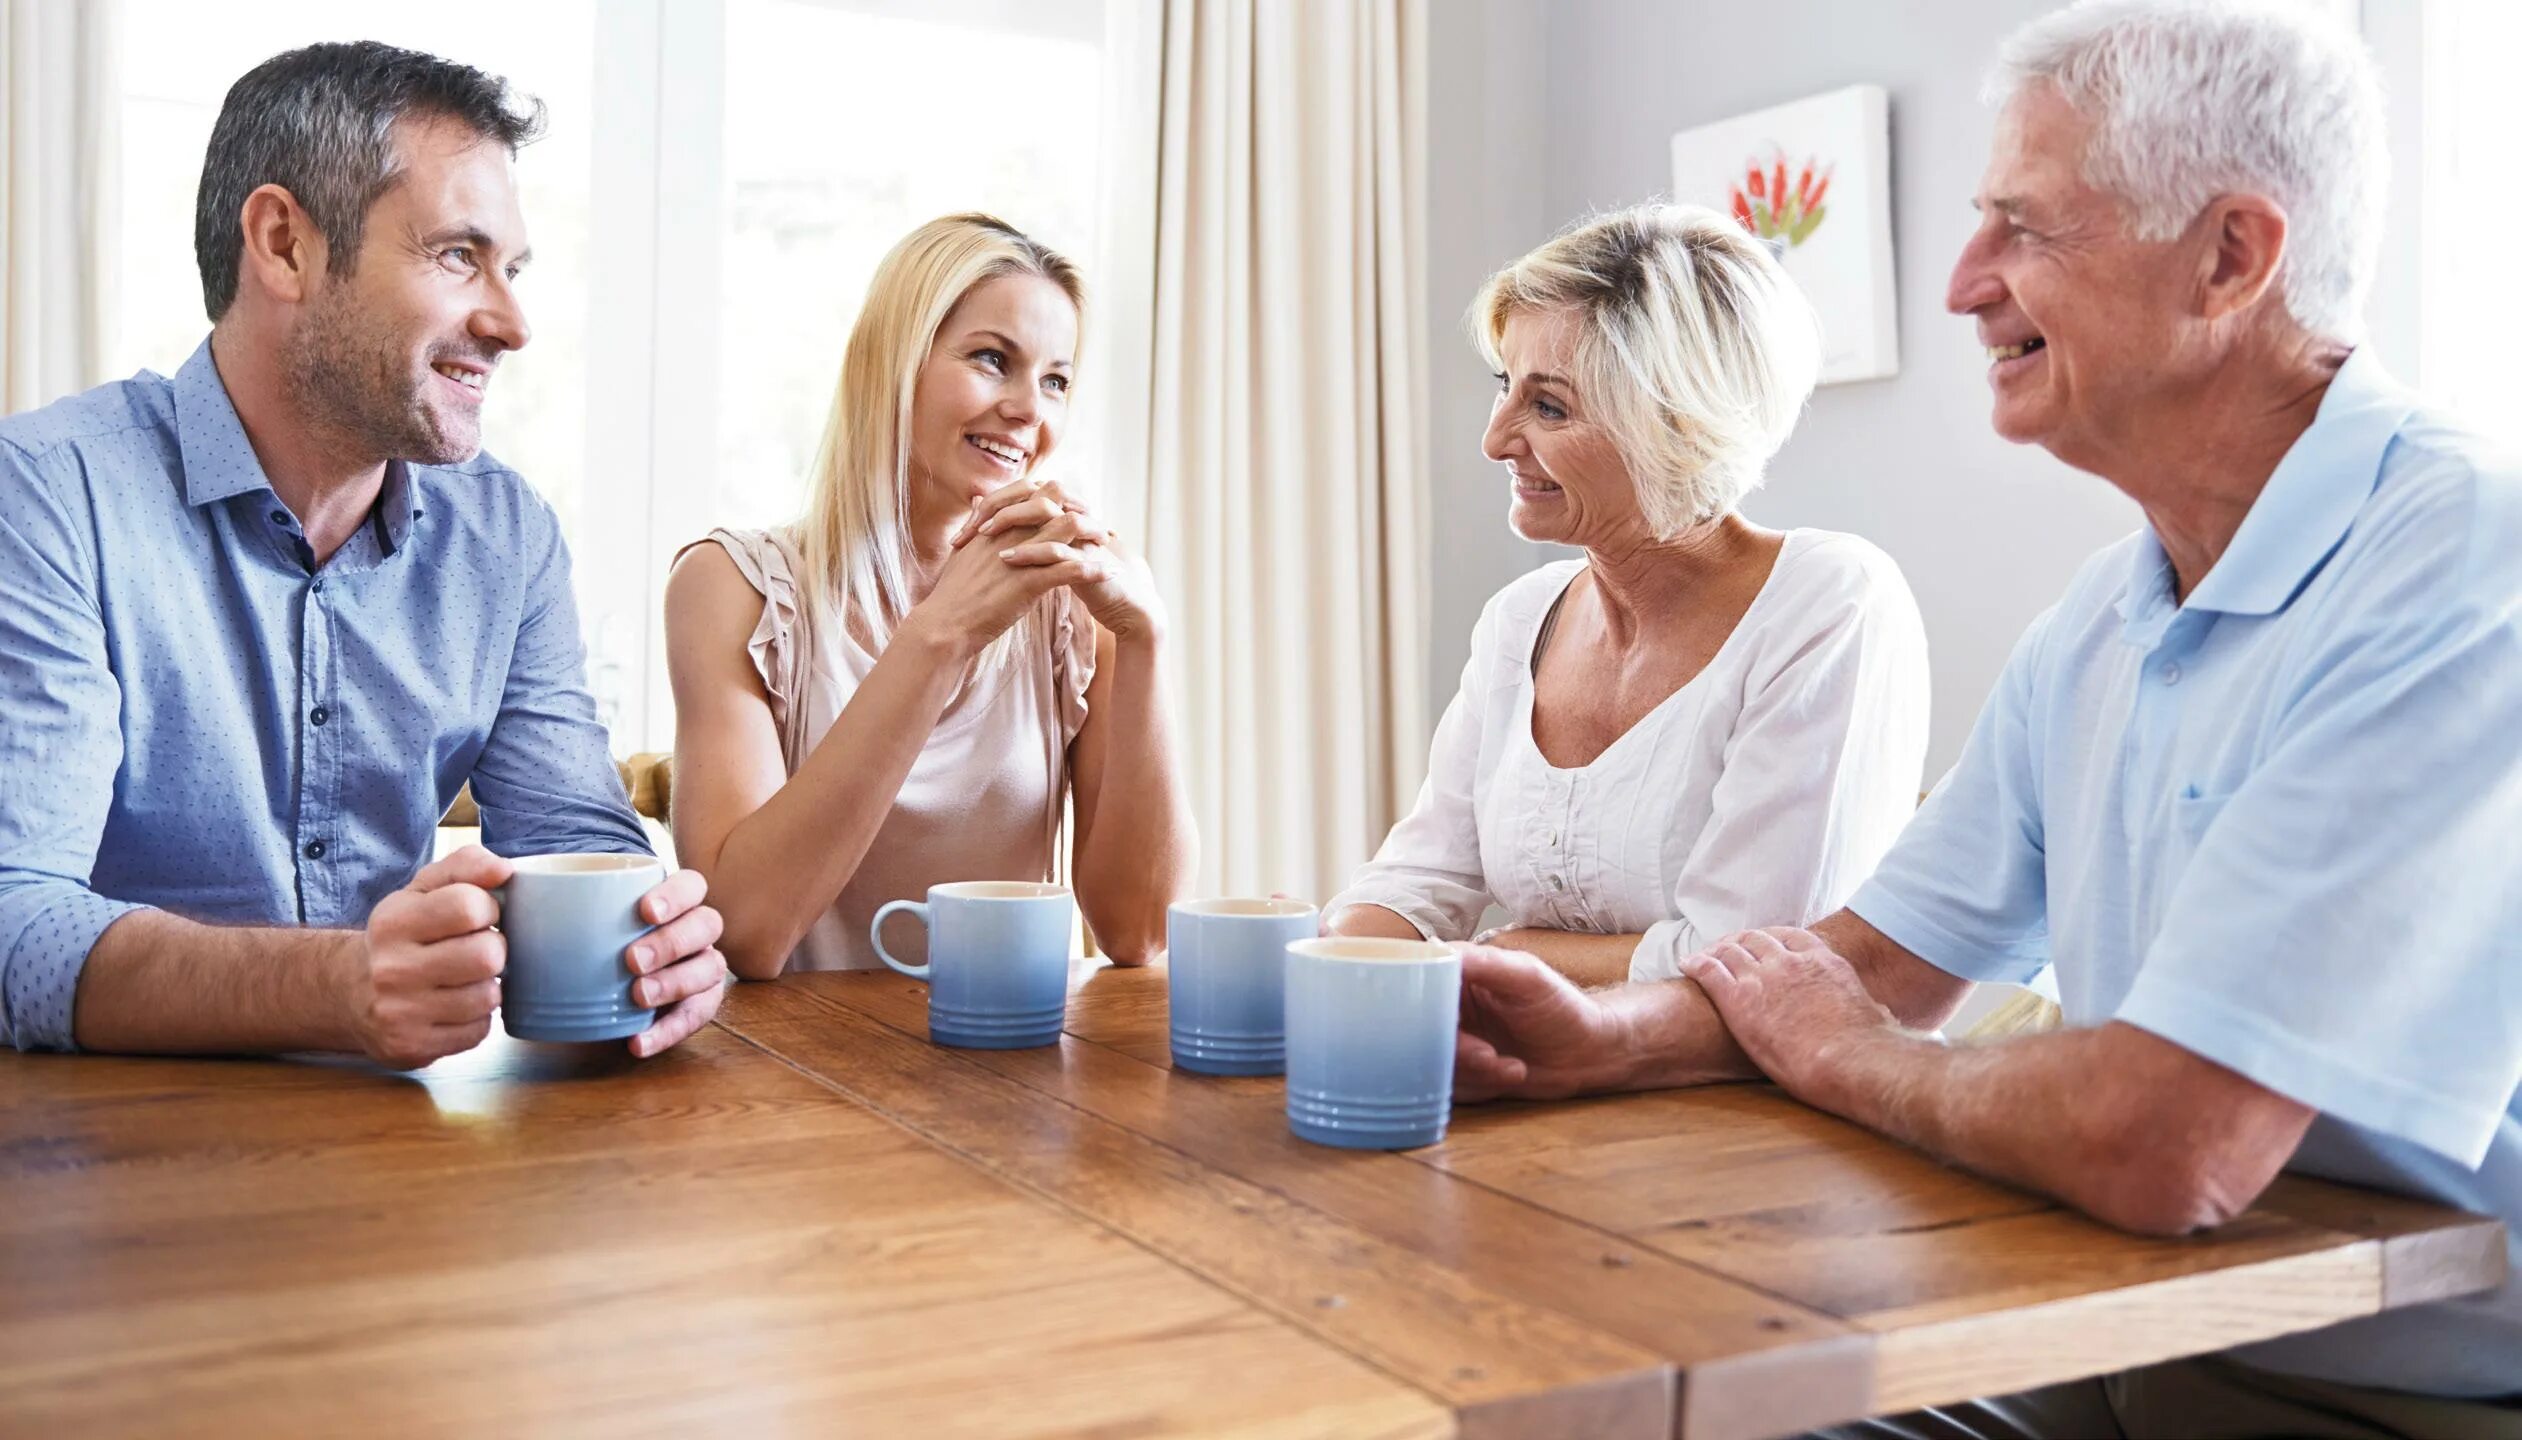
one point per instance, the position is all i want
(260, 621)
(2253, 785)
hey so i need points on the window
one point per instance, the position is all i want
(717, 182)
(970, 118)
(179, 58)
(2446, 293)
(2468, 211)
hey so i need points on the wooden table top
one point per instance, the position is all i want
(808, 1220)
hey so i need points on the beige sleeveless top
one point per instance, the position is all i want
(982, 801)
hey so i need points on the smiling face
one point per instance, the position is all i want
(992, 398)
(1569, 483)
(2086, 326)
(398, 352)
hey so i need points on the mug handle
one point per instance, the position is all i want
(875, 935)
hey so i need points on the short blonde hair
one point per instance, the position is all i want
(1696, 355)
(855, 534)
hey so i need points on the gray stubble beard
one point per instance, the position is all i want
(345, 377)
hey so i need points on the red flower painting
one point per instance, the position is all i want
(1769, 208)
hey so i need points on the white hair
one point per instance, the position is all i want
(1697, 352)
(2192, 99)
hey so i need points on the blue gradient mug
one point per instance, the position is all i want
(997, 968)
(1370, 1041)
(1226, 986)
(567, 919)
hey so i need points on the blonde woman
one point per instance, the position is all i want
(1701, 725)
(903, 687)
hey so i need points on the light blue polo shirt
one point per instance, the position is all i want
(2281, 827)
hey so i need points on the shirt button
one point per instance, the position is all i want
(317, 587)
(2171, 674)
(1557, 883)
(280, 518)
(315, 849)
(1549, 837)
(319, 715)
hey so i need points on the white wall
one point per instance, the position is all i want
(1488, 202)
(1987, 532)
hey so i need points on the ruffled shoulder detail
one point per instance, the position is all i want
(778, 647)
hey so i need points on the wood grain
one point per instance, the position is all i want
(2094, 1322)
(530, 1241)
(824, 1222)
(2427, 1252)
(1764, 1365)
(1968, 1287)
(1971, 1288)
(1503, 1366)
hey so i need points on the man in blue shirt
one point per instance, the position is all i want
(2253, 786)
(259, 623)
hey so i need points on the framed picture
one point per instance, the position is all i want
(1813, 177)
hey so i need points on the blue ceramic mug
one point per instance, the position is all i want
(997, 968)
(1370, 1041)
(1226, 989)
(567, 919)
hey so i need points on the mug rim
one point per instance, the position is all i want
(1272, 908)
(1378, 950)
(575, 862)
(997, 890)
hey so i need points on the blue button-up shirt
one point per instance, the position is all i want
(2281, 827)
(194, 717)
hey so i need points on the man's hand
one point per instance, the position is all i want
(1795, 1006)
(1529, 1033)
(682, 975)
(429, 965)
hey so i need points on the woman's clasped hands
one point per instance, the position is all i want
(1038, 537)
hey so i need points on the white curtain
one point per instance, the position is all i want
(1260, 344)
(58, 196)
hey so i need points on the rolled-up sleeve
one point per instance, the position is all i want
(60, 746)
(1819, 776)
(545, 781)
(1428, 869)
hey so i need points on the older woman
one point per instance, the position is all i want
(1701, 725)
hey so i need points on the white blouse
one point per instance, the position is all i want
(1760, 793)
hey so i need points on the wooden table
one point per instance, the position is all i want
(809, 1220)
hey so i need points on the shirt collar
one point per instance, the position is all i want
(219, 462)
(2146, 604)
(2312, 497)
(398, 504)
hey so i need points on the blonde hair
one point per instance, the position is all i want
(855, 534)
(1696, 354)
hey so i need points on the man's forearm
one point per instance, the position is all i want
(1675, 1038)
(158, 984)
(1976, 1106)
(2074, 1114)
